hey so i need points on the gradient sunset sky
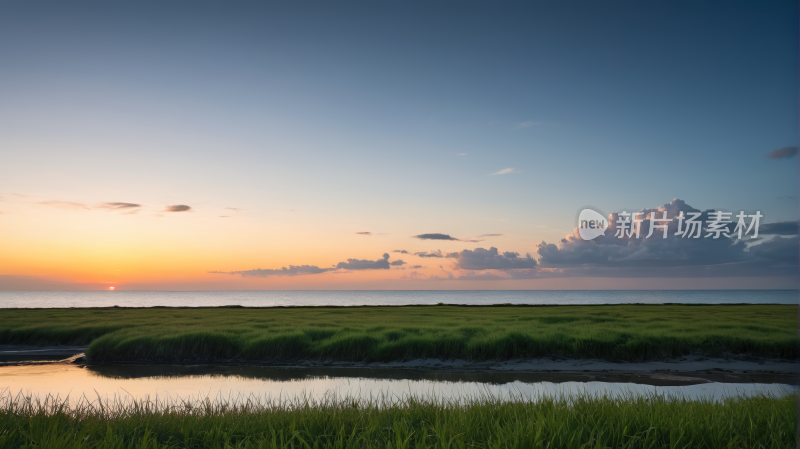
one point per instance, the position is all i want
(391, 145)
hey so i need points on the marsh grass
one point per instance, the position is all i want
(612, 332)
(556, 421)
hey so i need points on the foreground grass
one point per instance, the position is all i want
(577, 421)
(613, 332)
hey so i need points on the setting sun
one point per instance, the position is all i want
(111, 288)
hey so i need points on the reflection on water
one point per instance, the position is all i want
(170, 381)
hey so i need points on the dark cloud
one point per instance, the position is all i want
(674, 256)
(364, 233)
(118, 206)
(436, 254)
(401, 251)
(397, 263)
(65, 204)
(355, 264)
(434, 236)
(490, 235)
(177, 208)
(491, 259)
(782, 153)
(416, 266)
(291, 271)
(780, 228)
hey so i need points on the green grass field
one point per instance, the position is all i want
(612, 332)
(578, 421)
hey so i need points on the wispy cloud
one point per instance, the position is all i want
(434, 236)
(364, 233)
(527, 124)
(462, 154)
(117, 206)
(177, 208)
(506, 171)
(65, 205)
(401, 251)
(293, 270)
(435, 254)
(782, 153)
(490, 235)
(235, 209)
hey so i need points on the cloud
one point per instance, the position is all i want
(434, 236)
(293, 270)
(64, 205)
(437, 254)
(416, 266)
(462, 154)
(527, 124)
(401, 251)
(779, 228)
(355, 264)
(397, 263)
(490, 235)
(177, 208)
(235, 209)
(491, 259)
(674, 256)
(782, 153)
(364, 233)
(117, 206)
(506, 171)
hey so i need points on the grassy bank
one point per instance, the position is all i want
(618, 332)
(580, 421)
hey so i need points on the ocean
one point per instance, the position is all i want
(272, 298)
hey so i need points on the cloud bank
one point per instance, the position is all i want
(356, 264)
(491, 259)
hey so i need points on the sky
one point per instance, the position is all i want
(179, 145)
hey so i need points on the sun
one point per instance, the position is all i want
(111, 288)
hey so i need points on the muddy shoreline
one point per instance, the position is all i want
(684, 371)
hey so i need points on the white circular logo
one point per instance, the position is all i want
(591, 224)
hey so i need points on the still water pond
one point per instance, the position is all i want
(235, 383)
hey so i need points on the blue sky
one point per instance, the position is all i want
(393, 116)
